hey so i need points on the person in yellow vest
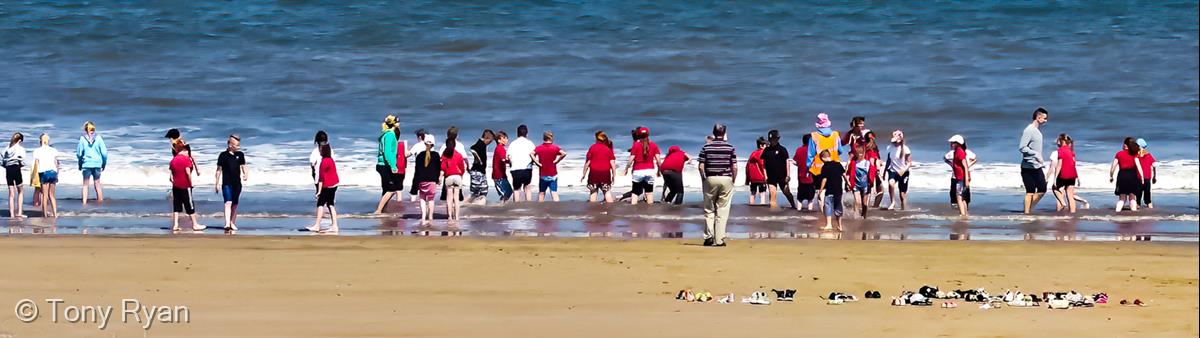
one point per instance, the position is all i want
(824, 138)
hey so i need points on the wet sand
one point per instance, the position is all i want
(489, 287)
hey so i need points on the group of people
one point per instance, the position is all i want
(827, 164)
(91, 155)
(1134, 170)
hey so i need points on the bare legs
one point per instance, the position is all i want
(16, 199)
(427, 208)
(49, 200)
(1126, 199)
(95, 184)
(333, 226)
(231, 216)
(452, 204)
(383, 201)
(1031, 201)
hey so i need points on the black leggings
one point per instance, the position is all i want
(1143, 195)
(672, 187)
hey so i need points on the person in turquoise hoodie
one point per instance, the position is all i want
(385, 164)
(93, 159)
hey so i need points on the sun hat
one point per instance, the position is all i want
(430, 139)
(957, 139)
(1141, 142)
(674, 149)
(897, 136)
(823, 121)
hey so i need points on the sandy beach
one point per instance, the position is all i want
(478, 287)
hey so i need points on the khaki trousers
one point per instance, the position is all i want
(718, 196)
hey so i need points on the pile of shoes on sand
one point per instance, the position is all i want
(927, 296)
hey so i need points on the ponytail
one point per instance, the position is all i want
(449, 152)
(646, 146)
(427, 154)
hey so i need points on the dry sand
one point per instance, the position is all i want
(537, 287)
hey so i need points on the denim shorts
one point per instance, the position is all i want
(94, 173)
(548, 183)
(48, 177)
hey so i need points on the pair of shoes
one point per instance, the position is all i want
(708, 242)
(1136, 302)
(704, 297)
(784, 295)
(685, 295)
(757, 298)
(726, 299)
(843, 297)
(949, 305)
(872, 294)
(1100, 298)
(719, 244)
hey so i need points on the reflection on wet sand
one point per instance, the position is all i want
(580, 219)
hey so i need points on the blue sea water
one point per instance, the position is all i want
(276, 71)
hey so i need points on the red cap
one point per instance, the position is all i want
(643, 131)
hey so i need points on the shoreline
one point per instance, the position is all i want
(375, 286)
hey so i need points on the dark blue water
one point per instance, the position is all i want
(275, 71)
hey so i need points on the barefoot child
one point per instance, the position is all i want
(1062, 169)
(454, 165)
(326, 191)
(805, 189)
(861, 178)
(756, 175)
(598, 169)
(13, 160)
(231, 172)
(832, 186)
(45, 159)
(546, 158)
(428, 169)
(181, 188)
(962, 171)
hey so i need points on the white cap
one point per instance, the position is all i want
(430, 140)
(957, 139)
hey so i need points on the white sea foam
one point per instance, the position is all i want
(359, 171)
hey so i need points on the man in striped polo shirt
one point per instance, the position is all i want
(718, 167)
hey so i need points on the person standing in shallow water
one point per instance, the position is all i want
(1062, 169)
(672, 172)
(598, 169)
(775, 161)
(1032, 166)
(546, 158)
(519, 158)
(500, 167)
(13, 160)
(1128, 175)
(231, 172)
(479, 182)
(92, 154)
(962, 171)
(385, 164)
(181, 188)
(326, 191)
(823, 139)
(718, 167)
(45, 159)
(1150, 170)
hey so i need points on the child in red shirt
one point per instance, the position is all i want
(181, 188)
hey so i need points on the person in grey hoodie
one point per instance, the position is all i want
(1032, 166)
(93, 159)
(13, 160)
